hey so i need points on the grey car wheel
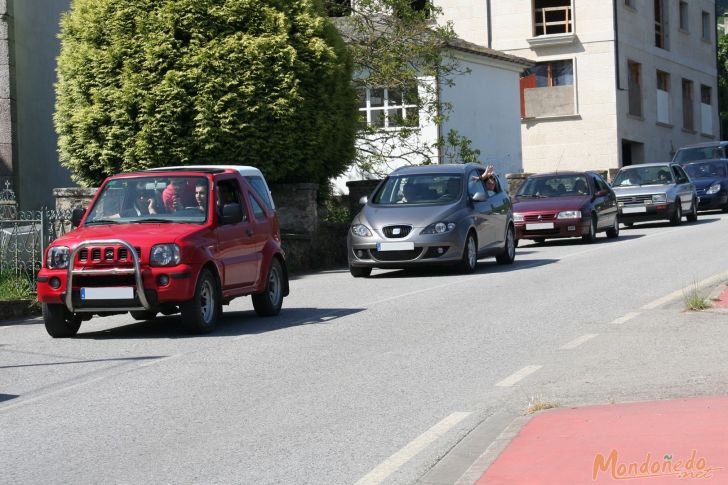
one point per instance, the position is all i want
(358, 272)
(693, 216)
(677, 214)
(470, 255)
(509, 248)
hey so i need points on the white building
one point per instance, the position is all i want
(491, 122)
(615, 82)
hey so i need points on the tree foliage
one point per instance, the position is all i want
(723, 80)
(399, 44)
(151, 83)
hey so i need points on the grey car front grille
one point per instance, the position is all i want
(635, 199)
(396, 232)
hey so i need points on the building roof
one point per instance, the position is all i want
(345, 26)
(464, 46)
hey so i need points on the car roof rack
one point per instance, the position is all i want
(195, 168)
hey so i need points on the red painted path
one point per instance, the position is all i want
(658, 442)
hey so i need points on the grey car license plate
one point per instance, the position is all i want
(395, 246)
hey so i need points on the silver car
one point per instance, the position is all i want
(655, 191)
(432, 214)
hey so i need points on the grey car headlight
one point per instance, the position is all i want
(361, 230)
(439, 228)
(714, 189)
(569, 215)
(165, 255)
(58, 257)
(659, 198)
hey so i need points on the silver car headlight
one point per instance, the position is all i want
(165, 255)
(439, 228)
(58, 257)
(714, 189)
(517, 217)
(659, 198)
(361, 230)
(569, 215)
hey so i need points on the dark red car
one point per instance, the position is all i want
(185, 240)
(565, 204)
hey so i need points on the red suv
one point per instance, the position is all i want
(181, 239)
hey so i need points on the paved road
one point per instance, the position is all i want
(404, 377)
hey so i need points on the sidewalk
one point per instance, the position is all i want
(650, 442)
(643, 442)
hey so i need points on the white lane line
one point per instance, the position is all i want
(578, 341)
(394, 462)
(625, 318)
(517, 376)
(676, 295)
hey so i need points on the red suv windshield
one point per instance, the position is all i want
(154, 199)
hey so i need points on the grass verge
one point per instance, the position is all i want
(695, 299)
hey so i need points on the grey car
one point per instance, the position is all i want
(655, 191)
(432, 214)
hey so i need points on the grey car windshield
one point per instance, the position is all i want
(151, 199)
(554, 186)
(420, 189)
(643, 176)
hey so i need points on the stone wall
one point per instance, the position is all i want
(358, 189)
(71, 197)
(296, 206)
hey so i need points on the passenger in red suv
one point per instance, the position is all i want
(190, 260)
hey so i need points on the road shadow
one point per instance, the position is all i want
(484, 266)
(230, 324)
(701, 221)
(565, 242)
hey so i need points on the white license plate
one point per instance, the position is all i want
(113, 293)
(539, 226)
(395, 246)
(633, 210)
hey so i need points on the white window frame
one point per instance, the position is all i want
(684, 16)
(569, 22)
(386, 107)
(705, 30)
(663, 99)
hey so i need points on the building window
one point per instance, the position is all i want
(547, 89)
(552, 17)
(706, 110)
(634, 83)
(663, 97)
(388, 107)
(706, 26)
(661, 32)
(687, 105)
(684, 23)
(338, 8)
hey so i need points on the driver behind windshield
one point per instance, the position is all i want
(143, 204)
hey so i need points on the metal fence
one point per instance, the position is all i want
(24, 235)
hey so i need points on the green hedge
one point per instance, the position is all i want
(149, 83)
